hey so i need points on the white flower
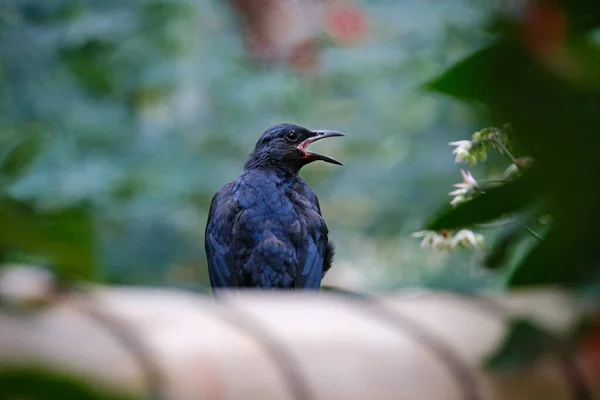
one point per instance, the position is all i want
(467, 239)
(446, 240)
(467, 185)
(438, 241)
(432, 239)
(462, 150)
(463, 144)
(427, 237)
(464, 189)
(468, 179)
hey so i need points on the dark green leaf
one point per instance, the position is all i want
(21, 154)
(555, 261)
(523, 344)
(468, 79)
(90, 65)
(29, 383)
(584, 14)
(508, 238)
(492, 204)
(65, 237)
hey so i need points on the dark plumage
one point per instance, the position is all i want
(265, 229)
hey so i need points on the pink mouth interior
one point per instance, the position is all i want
(302, 146)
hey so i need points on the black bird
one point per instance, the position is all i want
(265, 229)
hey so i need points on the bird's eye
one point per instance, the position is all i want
(292, 136)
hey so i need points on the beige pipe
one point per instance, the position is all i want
(413, 346)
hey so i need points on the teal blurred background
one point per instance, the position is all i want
(141, 110)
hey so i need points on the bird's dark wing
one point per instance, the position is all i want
(217, 241)
(311, 262)
(311, 256)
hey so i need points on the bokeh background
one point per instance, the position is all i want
(119, 120)
(140, 110)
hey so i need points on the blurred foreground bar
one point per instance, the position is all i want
(175, 345)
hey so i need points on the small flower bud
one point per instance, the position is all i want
(524, 162)
(511, 172)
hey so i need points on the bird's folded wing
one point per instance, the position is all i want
(220, 258)
(311, 263)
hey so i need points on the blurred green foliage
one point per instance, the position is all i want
(30, 383)
(541, 74)
(513, 354)
(133, 114)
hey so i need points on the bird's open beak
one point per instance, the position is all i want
(318, 135)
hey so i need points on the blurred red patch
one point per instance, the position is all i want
(304, 57)
(286, 32)
(588, 354)
(345, 23)
(544, 28)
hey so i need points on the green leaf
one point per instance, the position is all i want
(20, 153)
(555, 261)
(492, 204)
(30, 383)
(469, 79)
(155, 17)
(523, 344)
(506, 241)
(64, 236)
(90, 64)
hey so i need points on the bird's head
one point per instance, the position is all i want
(285, 146)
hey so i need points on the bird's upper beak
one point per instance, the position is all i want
(318, 135)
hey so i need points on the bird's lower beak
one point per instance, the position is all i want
(318, 135)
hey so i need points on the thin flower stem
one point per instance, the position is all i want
(495, 224)
(491, 181)
(529, 230)
(514, 160)
(487, 183)
(533, 233)
(505, 149)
